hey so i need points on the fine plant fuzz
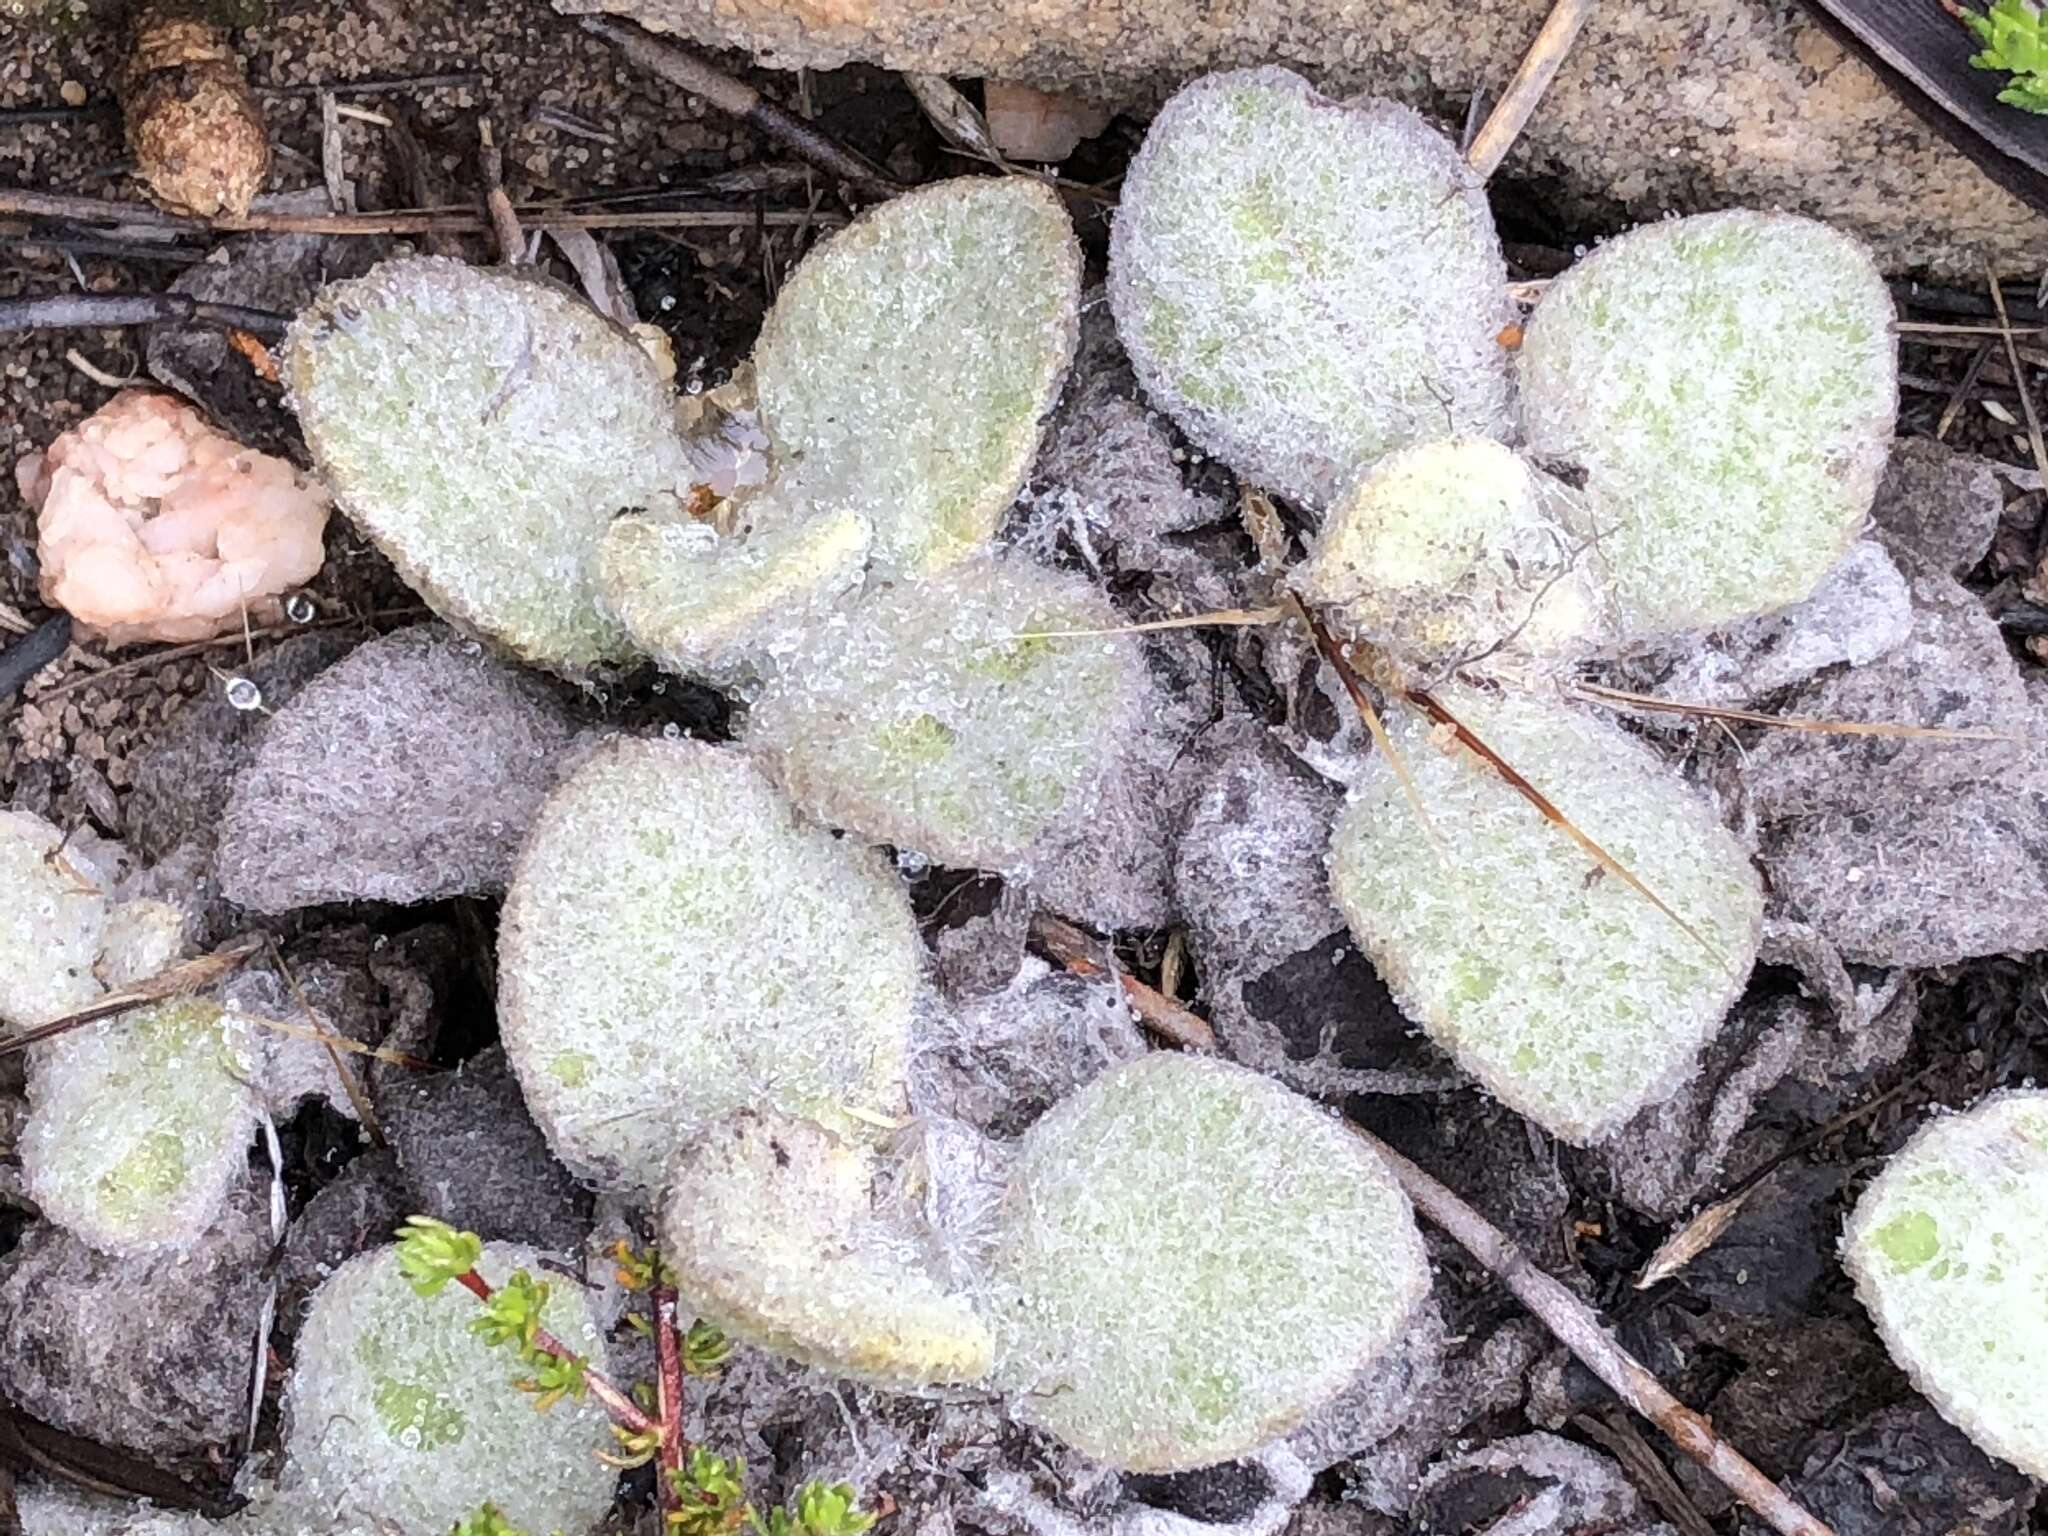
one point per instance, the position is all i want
(965, 717)
(139, 1125)
(1305, 285)
(717, 607)
(52, 911)
(1562, 988)
(1726, 386)
(401, 1410)
(1949, 1251)
(908, 361)
(483, 427)
(771, 1227)
(1453, 550)
(1193, 1259)
(676, 945)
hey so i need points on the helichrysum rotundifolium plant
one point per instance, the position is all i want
(53, 909)
(1306, 285)
(484, 427)
(677, 944)
(1949, 1250)
(1561, 987)
(966, 716)
(906, 365)
(402, 1410)
(1191, 1260)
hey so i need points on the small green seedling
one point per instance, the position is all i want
(906, 366)
(1725, 385)
(484, 427)
(1455, 551)
(1192, 1260)
(771, 1226)
(1306, 285)
(676, 945)
(1566, 990)
(401, 1406)
(2016, 42)
(719, 607)
(1949, 1250)
(968, 717)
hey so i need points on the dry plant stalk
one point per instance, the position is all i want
(198, 133)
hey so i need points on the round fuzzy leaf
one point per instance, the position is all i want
(771, 1228)
(1727, 385)
(52, 912)
(139, 1125)
(961, 716)
(1949, 1250)
(904, 369)
(676, 945)
(1305, 285)
(1192, 1260)
(484, 427)
(717, 608)
(1560, 987)
(1454, 550)
(408, 1421)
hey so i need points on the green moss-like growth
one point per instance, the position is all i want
(771, 1227)
(1727, 385)
(1305, 285)
(1949, 1250)
(1192, 1260)
(1557, 985)
(403, 1418)
(483, 427)
(1454, 550)
(52, 912)
(676, 945)
(961, 716)
(718, 608)
(139, 1125)
(904, 369)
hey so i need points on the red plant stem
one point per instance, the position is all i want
(668, 1396)
(621, 1407)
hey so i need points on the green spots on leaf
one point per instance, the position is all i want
(1908, 1240)
(418, 1419)
(922, 739)
(571, 1069)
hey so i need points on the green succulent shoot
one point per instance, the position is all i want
(2014, 41)
(431, 1253)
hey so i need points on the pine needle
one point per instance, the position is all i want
(1644, 703)
(1467, 737)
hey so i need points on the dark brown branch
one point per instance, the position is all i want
(737, 99)
(96, 311)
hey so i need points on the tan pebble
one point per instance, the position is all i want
(73, 93)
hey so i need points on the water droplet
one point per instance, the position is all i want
(672, 731)
(472, 648)
(244, 694)
(299, 608)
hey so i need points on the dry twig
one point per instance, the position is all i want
(2019, 377)
(179, 980)
(1166, 1018)
(1518, 103)
(105, 311)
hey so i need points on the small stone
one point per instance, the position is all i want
(1937, 504)
(72, 93)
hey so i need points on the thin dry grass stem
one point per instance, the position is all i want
(1642, 703)
(221, 642)
(1077, 952)
(1579, 1328)
(180, 980)
(1221, 618)
(1617, 1434)
(1946, 328)
(1531, 79)
(1469, 739)
(1960, 395)
(2019, 377)
(342, 1043)
(1374, 725)
(359, 1101)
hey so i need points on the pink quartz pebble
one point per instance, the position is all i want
(153, 526)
